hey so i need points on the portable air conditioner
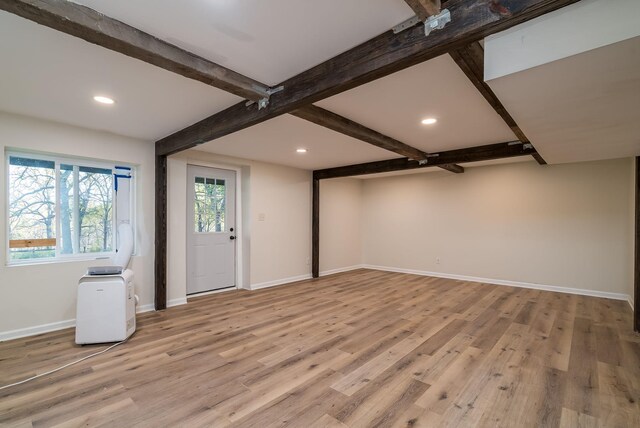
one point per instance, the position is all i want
(106, 307)
(106, 310)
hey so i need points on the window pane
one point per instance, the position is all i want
(220, 199)
(95, 210)
(31, 208)
(59, 208)
(200, 209)
(209, 205)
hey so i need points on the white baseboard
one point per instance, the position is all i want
(340, 270)
(152, 307)
(554, 288)
(301, 277)
(61, 325)
(630, 301)
(177, 302)
(280, 281)
(38, 329)
(145, 308)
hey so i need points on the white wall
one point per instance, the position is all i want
(281, 244)
(340, 224)
(564, 225)
(42, 294)
(277, 249)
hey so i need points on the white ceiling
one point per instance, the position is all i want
(276, 141)
(571, 80)
(584, 107)
(396, 104)
(269, 41)
(50, 75)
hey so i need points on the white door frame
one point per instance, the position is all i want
(239, 214)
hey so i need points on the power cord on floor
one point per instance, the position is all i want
(63, 367)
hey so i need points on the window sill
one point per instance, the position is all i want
(58, 261)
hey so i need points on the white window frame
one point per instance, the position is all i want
(67, 160)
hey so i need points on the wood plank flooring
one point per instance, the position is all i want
(359, 349)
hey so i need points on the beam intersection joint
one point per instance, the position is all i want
(264, 102)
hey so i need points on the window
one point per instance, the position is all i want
(209, 205)
(59, 208)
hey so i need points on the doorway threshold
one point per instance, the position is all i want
(208, 293)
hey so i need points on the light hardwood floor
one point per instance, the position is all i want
(359, 349)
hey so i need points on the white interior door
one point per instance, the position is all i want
(211, 229)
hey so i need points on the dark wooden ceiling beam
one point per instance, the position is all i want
(424, 8)
(345, 126)
(470, 59)
(94, 27)
(383, 55)
(472, 154)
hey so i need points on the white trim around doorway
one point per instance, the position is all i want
(239, 214)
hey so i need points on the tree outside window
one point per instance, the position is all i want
(59, 208)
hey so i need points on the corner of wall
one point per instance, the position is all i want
(632, 235)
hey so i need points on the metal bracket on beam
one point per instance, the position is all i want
(525, 146)
(264, 102)
(406, 24)
(437, 22)
(434, 22)
(423, 162)
(275, 90)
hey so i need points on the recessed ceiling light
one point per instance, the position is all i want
(301, 150)
(429, 121)
(103, 100)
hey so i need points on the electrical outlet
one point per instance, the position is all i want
(437, 260)
(262, 216)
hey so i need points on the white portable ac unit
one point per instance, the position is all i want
(106, 308)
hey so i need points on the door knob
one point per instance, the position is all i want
(232, 237)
